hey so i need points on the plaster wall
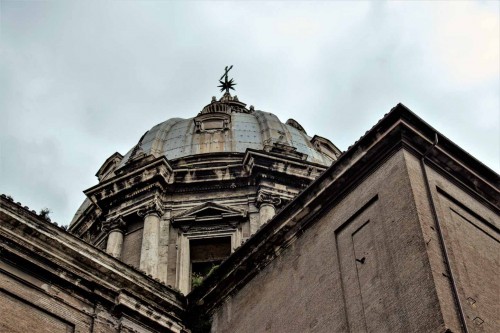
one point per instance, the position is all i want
(363, 266)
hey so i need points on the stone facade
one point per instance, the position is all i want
(399, 234)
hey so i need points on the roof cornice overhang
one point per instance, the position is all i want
(142, 175)
(399, 129)
(259, 162)
(72, 263)
(252, 164)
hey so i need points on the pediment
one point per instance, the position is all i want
(209, 211)
(109, 166)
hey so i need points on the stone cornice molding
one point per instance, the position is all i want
(155, 172)
(257, 162)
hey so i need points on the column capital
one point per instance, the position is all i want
(266, 197)
(152, 208)
(114, 224)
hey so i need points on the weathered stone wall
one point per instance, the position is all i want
(362, 267)
(30, 304)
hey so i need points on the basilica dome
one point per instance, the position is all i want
(218, 138)
(228, 126)
(201, 186)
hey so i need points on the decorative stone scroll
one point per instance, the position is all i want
(264, 197)
(152, 208)
(294, 123)
(117, 224)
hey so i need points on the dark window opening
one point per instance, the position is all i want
(206, 255)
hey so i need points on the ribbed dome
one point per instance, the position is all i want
(226, 126)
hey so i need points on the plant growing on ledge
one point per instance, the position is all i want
(197, 278)
(44, 214)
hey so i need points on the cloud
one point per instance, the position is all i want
(466, 40)
(81, 80)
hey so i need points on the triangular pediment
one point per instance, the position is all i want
(209, 211)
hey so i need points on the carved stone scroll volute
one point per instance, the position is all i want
(152, 208)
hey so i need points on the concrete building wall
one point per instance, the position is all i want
(362, 267)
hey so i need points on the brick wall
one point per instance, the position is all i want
(470, 232)
(38, 306)
(362, 267)
(131, 252)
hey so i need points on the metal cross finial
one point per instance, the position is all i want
(226, 85)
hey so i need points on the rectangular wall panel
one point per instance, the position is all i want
(473, 245)
(367, 273)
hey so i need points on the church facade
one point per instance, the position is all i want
(232, 221)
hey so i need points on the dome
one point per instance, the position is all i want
(227, 126)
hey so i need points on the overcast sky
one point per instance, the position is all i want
(82, 80)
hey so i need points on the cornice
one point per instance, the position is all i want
(158, 169)
(277, 157)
